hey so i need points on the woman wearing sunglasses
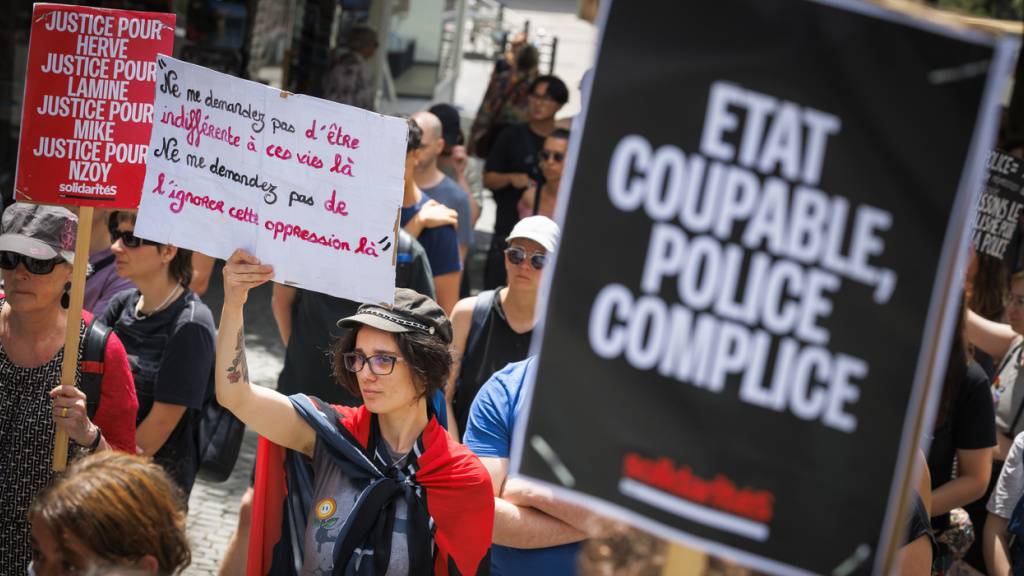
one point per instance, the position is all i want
(169, 332)
(392, 493)
(542, 200)
(36, 256)
(494, 327)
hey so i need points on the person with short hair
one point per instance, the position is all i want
(506, 322)
(101, 280)
(512, 166)
(391, 490)
(349, 80)
(110, 512)
(419, 217)
(542, 199)
(37, 252)
(436, 184)
(168, 329)
(534, 532)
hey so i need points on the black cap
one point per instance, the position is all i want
(38, 231)
(451, 125)
(411, 312)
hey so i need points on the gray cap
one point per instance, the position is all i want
(38, 231)
(540, 229)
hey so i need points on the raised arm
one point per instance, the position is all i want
(994, 338)
(266, 411)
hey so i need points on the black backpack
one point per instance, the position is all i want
(90, 364)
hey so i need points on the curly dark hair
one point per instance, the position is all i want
(428, 357)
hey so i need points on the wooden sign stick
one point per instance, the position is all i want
(73, 336)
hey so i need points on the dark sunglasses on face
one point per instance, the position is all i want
(10, 260)
(380, 364)
(129, 239)
(516, 255)
(548, 155)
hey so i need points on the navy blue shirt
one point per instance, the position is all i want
(489, 435)
(441, 244)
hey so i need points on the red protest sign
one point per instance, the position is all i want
(88, 107)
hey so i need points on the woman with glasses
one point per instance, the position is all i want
(392, 493)
(494, 327)
(36, 257)
(1004, 343)
(542, 200)
(169, 333)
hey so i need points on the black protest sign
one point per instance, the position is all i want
(767, 202)
(1000, 207)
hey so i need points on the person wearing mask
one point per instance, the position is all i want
(102, 281)
(349, 80)
(542, 199)
(393, 358)
(534, 532)
(170, 333)
(505, 318)
(512, 166)
(109, 513)
(439, 241)
(36, 258)
(436, 184)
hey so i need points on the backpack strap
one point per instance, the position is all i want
(91, 364)
(481, 309)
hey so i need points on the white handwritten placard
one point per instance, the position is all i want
(309, 186)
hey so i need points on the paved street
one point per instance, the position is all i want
(213, 508)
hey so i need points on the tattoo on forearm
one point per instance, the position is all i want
(239, 369)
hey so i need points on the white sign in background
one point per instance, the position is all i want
(310, 187)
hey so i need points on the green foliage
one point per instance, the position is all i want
(1002, 9)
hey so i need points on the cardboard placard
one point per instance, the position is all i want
(754, 285)
(88, 106)
(997, 221)
(309, 186)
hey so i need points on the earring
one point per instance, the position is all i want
(65, 299)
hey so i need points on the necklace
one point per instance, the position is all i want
(170, 297)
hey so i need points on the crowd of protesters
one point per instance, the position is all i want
(392, 425)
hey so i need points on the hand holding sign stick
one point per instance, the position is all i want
(70, 366)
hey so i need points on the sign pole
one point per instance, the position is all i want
(73, 336)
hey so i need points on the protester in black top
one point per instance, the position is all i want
(512, 166)
(504, 335)
(169, 333)
(964, 430)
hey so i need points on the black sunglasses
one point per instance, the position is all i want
(129, 239)
(516, 255)
(10, 260)
(548, 155)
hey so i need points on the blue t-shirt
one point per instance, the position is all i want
(441, 244)
(489, 435)
(449, 193)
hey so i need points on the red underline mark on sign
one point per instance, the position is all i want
(717, 503)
